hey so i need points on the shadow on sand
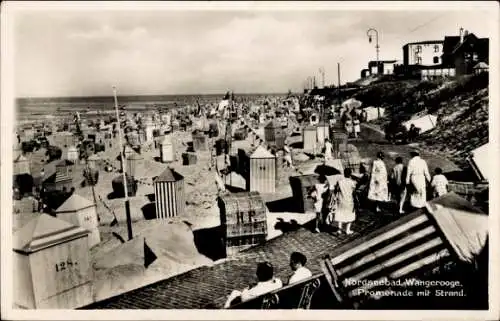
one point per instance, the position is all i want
(282, 205)
(149, 211)
(234, 189)
(298, 145)
(286, 226)
(151, 197)
(210, 242)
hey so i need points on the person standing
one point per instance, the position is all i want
(344, 194)
(398, 175)
(319, 192)
(328, 150)
(362, 185)
(439, 183)
(357, 127)
(288, 156)
(416, 177)
(348, 126)
(378, 190)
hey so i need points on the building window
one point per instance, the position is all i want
(436, 48)
(436, 59)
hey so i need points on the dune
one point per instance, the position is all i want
(119, 267)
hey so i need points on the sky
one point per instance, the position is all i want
(75, 53)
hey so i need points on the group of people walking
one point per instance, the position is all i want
(350, 193)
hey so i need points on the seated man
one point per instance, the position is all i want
(266, 283)
(297, 263)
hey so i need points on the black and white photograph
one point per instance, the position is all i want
(296, 157)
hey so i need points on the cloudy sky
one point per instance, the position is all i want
(70, 53)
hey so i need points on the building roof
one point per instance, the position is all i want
(471, 41)
(272, 124)
(135, 156)
(169, 175)
(74, 203)
(427, 42)
(127, 149)
(209, 286)
(261, 152)
(374, 62)
(167, 139)
(119, 179)
(450, 42)
(44, 231)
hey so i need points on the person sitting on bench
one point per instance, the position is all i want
(266, 283)
(297, 263)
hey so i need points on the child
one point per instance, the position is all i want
(319, 190)
(357, 127)
(439, 183)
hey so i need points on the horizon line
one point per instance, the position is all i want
(149, 95)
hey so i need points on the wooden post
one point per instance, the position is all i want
(124, 169)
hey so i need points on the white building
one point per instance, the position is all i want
(424, 53)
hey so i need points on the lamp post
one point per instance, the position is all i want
(370, 33)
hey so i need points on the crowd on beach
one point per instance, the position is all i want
(339, 203)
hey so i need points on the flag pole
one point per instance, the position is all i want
(124, 169)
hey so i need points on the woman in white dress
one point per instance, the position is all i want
(328, 150)
(348, 126)
(416, 177)
(344, 196)
(378, 190)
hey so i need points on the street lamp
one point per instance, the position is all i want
(370, 34)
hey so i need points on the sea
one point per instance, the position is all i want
(51, 105)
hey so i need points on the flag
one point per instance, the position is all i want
(149, 255)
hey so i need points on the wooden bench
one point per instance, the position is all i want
(293, 296)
